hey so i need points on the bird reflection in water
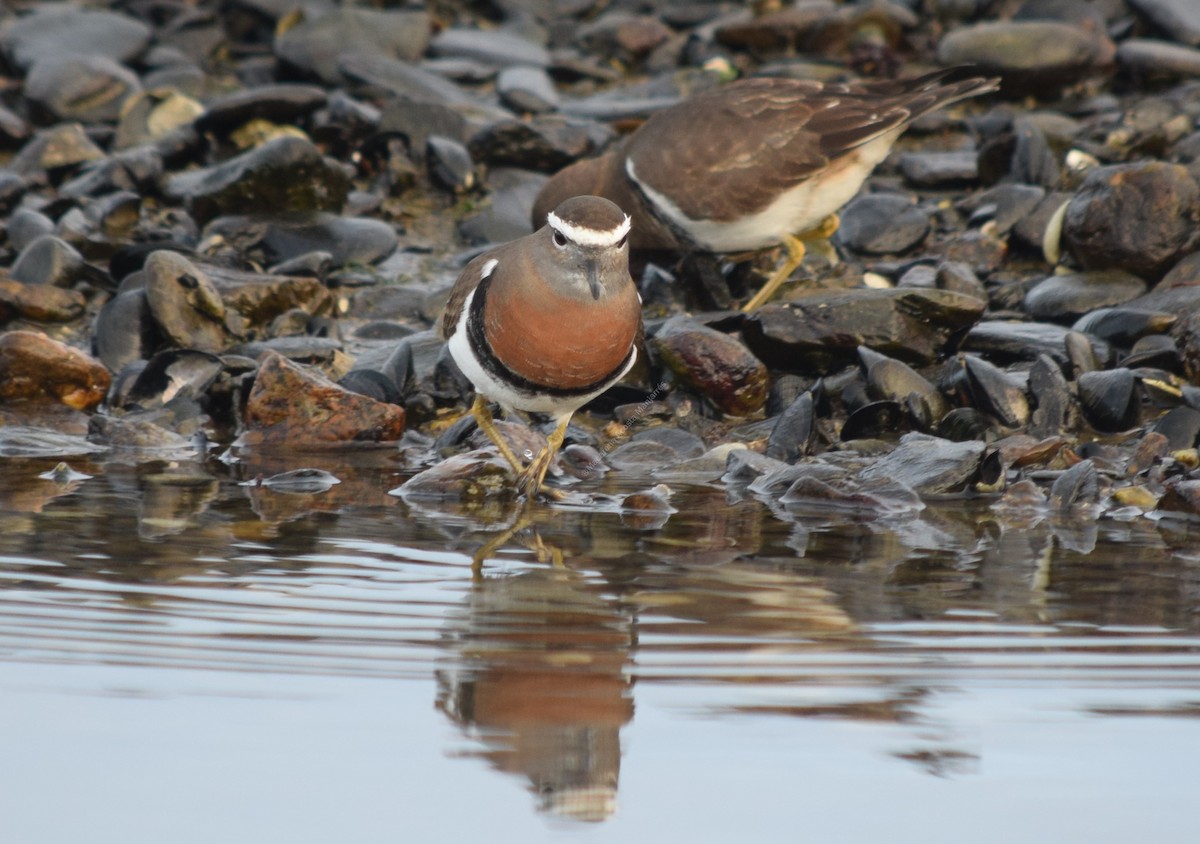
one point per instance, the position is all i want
(537, 672)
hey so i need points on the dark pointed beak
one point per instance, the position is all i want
(593, 272)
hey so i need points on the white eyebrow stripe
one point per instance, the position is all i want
(589, 237)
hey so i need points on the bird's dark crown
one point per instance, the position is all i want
(589, 221)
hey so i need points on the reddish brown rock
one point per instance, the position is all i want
(716, 365)
(292, 404)
(33, 365)
(38, 302)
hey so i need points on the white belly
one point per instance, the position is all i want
(799, 210)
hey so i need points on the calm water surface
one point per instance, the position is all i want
(184, 659)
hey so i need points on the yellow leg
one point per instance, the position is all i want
(530, 480)
(795, 250)
(483, 416)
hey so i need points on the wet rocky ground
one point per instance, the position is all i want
(228, 229)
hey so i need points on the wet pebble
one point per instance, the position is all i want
(940, 169)
(881, 224)
(33, 365)
(1030, 55)
(316, 45)
(292, 404)
(929, 465)
(1062, 297)
(824, 330)
(186, 305)
(713, 364)
(54, 30)
(286, 174)
(1141, 218)
(1179, 18)
(38, 302)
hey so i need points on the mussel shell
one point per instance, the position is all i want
(875, 420)
(1110, 399)
(966, 423)
(1077, 485)
(996, 392)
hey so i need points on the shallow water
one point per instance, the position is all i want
(186, 659)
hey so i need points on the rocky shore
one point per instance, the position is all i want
(230, 228)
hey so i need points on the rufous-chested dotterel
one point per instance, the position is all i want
(546, 323)
(756, 163)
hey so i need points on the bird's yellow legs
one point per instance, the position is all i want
(529, 478)
(483, 418)
(795, 254)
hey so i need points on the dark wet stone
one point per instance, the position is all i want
(929, 465)
(1178, 18)
(56, 148)
(34, 365)
(1181, 497)
(527, 90)
(784, 390)
(1064, 297)
(788, 29)
(822, 331)
(26, 225)
(1137, 217)
(877, 495)
(713, 364)
(125, 330)
(1006, 342)
(283, 103)
(881, 224)
(1146, 59)
(38, 302)
(48, 260)
(12, 188)
(186, 305)
(414, 85)
(939, 169)
(287, 174)
(1181, 427)
(546, 142)
(316, 264)
(624, 37)
(368, 382)
(136, 170)
(792, 435)
(173, 374)
(303, 349)
(315, 46)
(283, 237)
(1030, 230)
(506, 217)
(1109, 399)
(996, 392)
(495, 47)
(1005, 205)
(68, 31)
(1055, 409)
(290, 404)
(958, 277)
(1124, 326)
(1041, 56)
(88, 88)
(449, 164)
(980, 250)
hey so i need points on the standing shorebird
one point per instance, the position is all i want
(546, 323)
(756, 163)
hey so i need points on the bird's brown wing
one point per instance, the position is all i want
(735, 149)
(467, 281)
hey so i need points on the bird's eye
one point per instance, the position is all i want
(560, 239)
(621, 243)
